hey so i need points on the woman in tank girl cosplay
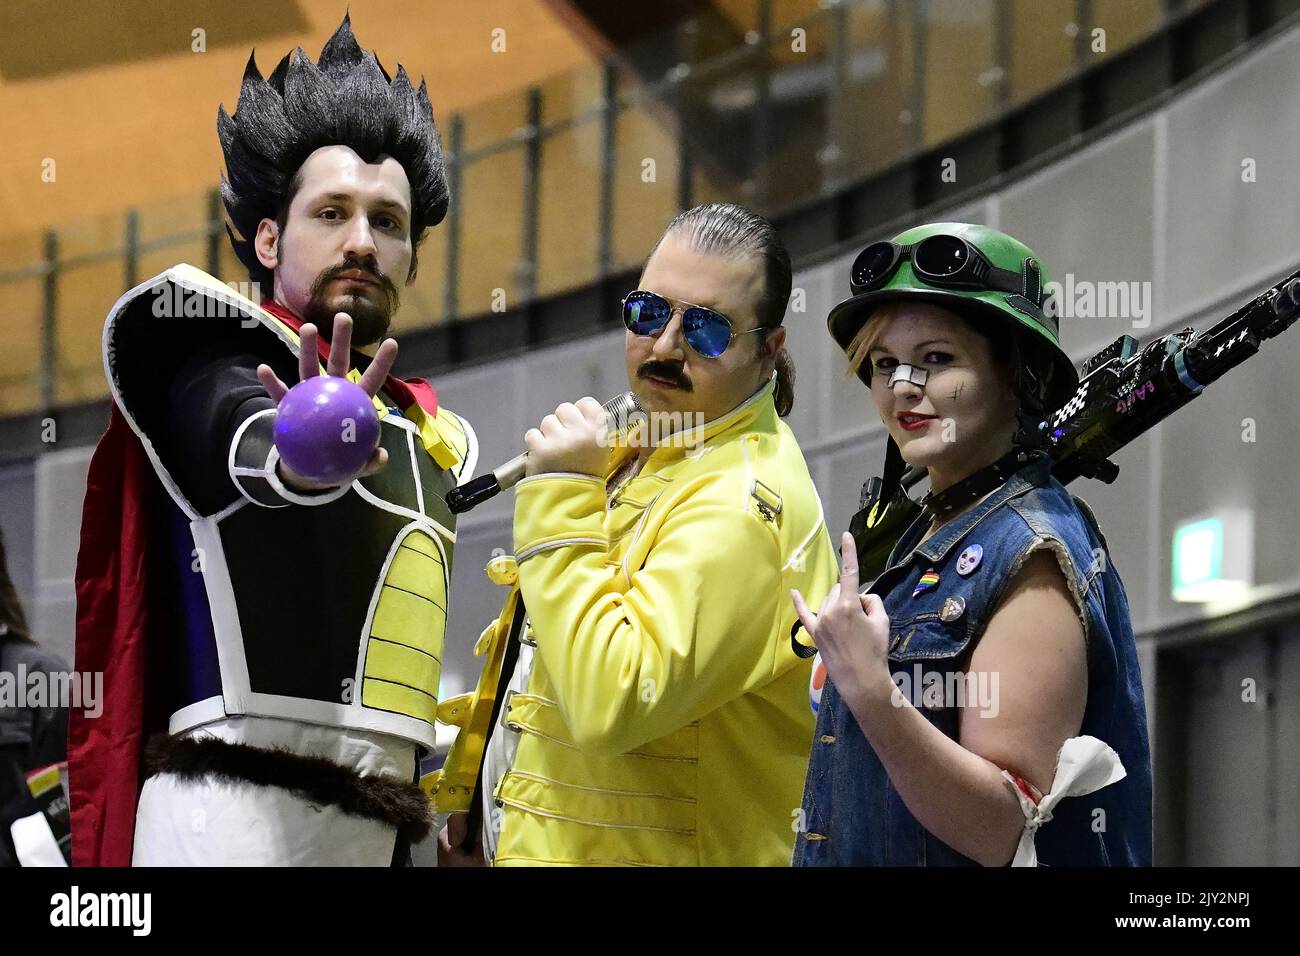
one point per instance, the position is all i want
(982, 702)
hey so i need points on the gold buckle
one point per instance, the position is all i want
(505, 712)
(770, 506)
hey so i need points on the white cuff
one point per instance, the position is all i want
(582, 476)
(293, 497)
(249, 480)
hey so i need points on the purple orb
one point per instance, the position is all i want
(326, 429)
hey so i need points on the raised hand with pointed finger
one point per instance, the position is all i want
(851, 631)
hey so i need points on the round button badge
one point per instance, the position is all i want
(969, 559)
(953, 608)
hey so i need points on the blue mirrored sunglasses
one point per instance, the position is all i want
(708, 333)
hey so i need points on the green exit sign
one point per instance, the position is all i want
(1213, 556)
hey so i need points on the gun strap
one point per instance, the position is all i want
(892, 476)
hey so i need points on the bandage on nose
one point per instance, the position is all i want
(909, 373)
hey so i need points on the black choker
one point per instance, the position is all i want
(980, 483)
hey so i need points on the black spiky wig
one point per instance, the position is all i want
(347, 99)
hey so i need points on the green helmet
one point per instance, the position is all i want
(1013, 293)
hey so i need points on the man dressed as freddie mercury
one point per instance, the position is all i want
(282, 634)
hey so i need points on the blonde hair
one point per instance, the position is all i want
(865, 339)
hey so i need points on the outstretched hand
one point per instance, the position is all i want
(338, 365)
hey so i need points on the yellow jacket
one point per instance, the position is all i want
(667, 720)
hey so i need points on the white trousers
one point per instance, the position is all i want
(212, 822)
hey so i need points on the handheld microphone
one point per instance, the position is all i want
(478, 490)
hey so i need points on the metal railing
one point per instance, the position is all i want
(788, 114)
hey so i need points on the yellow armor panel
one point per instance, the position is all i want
(404, 648)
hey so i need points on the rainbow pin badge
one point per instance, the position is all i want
(928, 581)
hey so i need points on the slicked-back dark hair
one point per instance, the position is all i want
(725, 229)
(345, 99)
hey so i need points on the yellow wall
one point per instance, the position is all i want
(136, 130)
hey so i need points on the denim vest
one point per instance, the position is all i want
(852, 814)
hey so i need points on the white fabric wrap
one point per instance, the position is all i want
(1084, 765)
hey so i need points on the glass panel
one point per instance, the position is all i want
(645, 183)
(90, 235)
(568, 244)
(799, 89)
(491, 121)
(572, 94)
(1125, 22)
(149, 264)
(166, 221)
(715, 106)
(491, 233)
(783, 15)
(869, 120)
(705, 35)
(712, 184)
(424, 303)
(1040, 46)
(741, 15)
(960, 80)
(813, 43)
(85, 295)
(164, 218)
(20, 359)
(20, 251)
(787, 14)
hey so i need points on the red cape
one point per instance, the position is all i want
(116, 618)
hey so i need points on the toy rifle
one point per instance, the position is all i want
(1123, 392)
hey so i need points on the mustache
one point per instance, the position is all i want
(334, 272)
(666, 371)
(370, 315)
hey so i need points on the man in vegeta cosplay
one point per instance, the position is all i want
(271, 644)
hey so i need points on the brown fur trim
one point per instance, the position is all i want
(315, 779)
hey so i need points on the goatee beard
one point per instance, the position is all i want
(371, 315)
